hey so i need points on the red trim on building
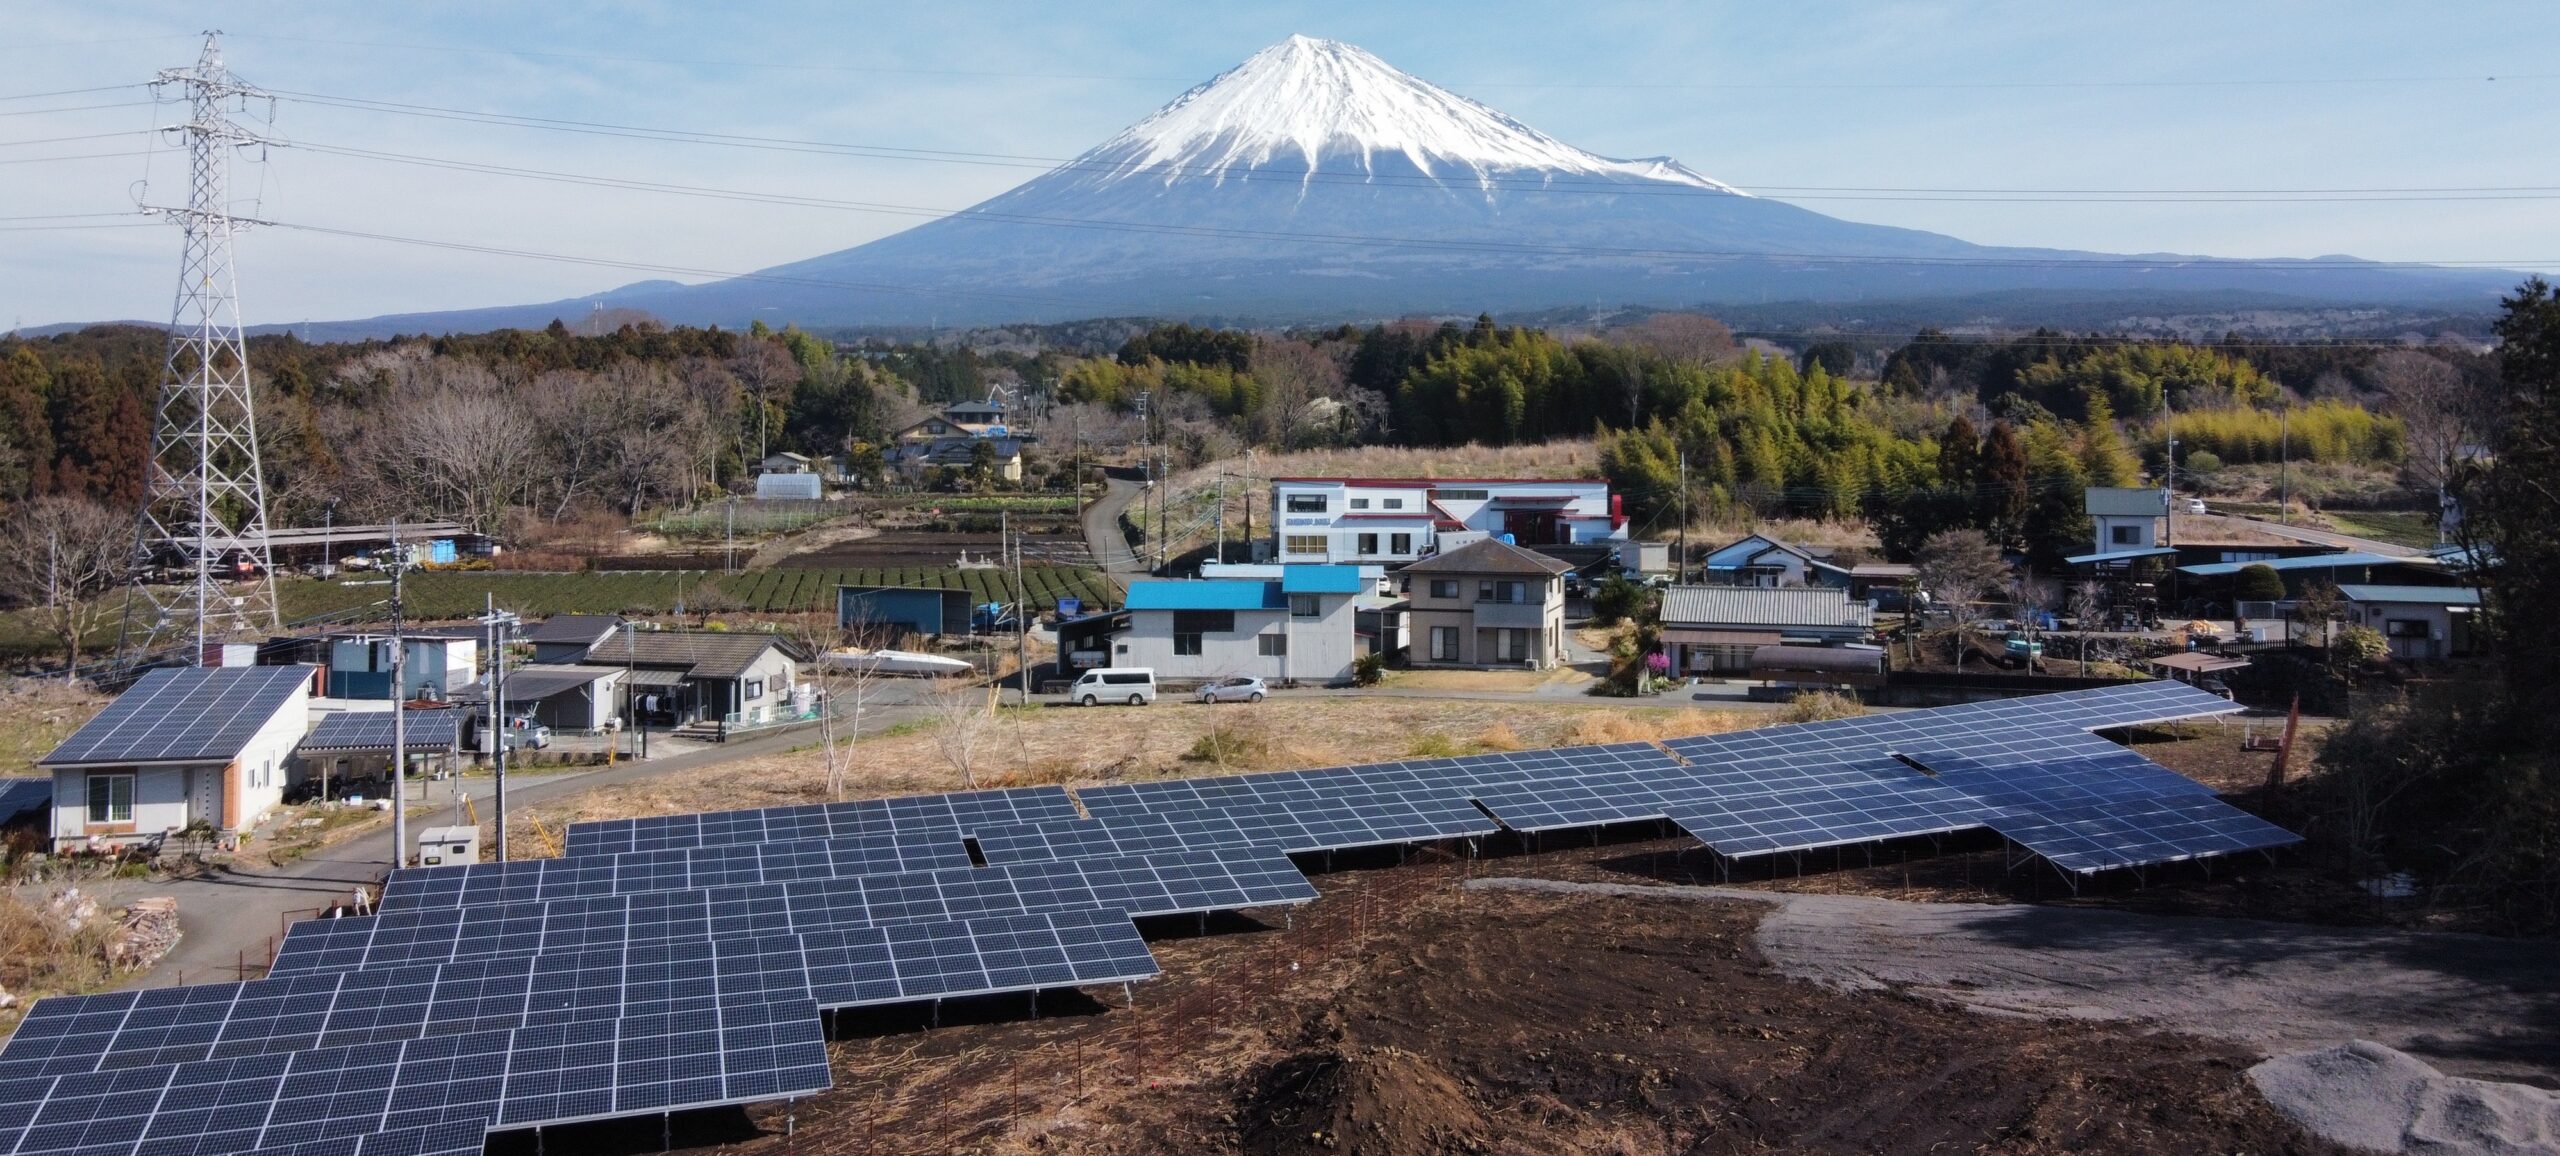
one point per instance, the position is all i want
(1427, 483)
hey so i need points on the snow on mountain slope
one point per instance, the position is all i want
(1310, 106)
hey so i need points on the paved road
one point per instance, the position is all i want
(2322, 537)
(1102, 528)
(230, 916)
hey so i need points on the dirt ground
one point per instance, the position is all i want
(1401, 1014)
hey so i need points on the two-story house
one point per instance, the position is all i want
(957, 438)
(1488, 603)
(1299, 628)
(1391, 520)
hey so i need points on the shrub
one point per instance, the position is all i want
(1818, 705)
(2359, 646)
(2204, 462)
(1617, 600)
(2258, 582)
(1369, 669)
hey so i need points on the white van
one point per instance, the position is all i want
(1135, 685)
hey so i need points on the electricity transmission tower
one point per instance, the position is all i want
(204, 516)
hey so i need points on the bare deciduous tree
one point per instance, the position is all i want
(960, 714)
(65, 552)
(1295, 376)
(852, 686)
(1690, 337)
(450, 438)
(1957, 568)
(2446, 415)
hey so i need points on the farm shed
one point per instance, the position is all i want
(921, 611)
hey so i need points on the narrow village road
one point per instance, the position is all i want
(1102, 528)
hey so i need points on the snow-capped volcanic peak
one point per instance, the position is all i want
(1322, 105)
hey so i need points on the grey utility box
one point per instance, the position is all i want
(446, 846)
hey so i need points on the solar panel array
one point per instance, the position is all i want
(18, 796)
(964, 811)
(483, 884)
(370, 730)
(1165, 883)
(680, 961)
(187, 714)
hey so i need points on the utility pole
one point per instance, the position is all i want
(399, 708)
(2284, 466)
(1021, 618)
(498, 622)
(1680, 565)
(205, 498)
(1221, 515)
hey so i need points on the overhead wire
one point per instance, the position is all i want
(1542, 185)
(1368, 240)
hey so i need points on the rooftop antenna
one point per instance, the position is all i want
(205, 498)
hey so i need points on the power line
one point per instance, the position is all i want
(1542, 185)
(1189, 81)
(74, 157)
(1369, 240)
(74, 91)
(85, 136)
(77, 108)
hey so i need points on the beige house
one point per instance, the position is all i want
(1488, 603)
(952, 440)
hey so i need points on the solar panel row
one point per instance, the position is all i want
(1171, 883)
(963, 811)
(534, 880)
(370, 730)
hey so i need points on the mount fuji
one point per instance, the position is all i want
(1316, 182)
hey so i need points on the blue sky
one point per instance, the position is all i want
(2228, 95)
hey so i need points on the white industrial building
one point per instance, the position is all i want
(1391, 520)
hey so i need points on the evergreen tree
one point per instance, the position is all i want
(100, 434)
(2000, 493)
(26, 388)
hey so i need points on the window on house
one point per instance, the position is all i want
(2406, 628)
(2124, 535)
(1305, 606)
(111, 798)
(1273, 645)
(1511, 645)
(1444, 644)
(1491, 591)
(1204, 621)
(1444, 587)
(1303, 544)
(755, 688)
(1399, 544)
(1186, 644)
(1463, 495)
(1359, 503)
(1306, 503)
(1368, 545)
(1393, 503)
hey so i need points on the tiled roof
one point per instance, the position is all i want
(1490, 556)
(702, 653)
(1824, 607)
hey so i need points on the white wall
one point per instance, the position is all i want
(1353, 509)
(777, 671)
(1320, 649)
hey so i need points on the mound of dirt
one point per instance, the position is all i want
(1384, 1101)
(2372, 1098)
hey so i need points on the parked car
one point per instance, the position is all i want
(1135, 685)
(528, 735)
(2192, 506)
(2214, 686)
(1243, 688)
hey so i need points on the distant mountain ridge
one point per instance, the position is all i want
(1315, 182)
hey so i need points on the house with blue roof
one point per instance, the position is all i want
(1298, 628)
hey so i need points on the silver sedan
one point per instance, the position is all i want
(1243, 688)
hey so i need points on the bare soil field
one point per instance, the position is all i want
(1401, 1014)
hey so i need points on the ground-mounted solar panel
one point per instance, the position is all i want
(1740, 826)
(963, 811)
(19, 796)
(1176, 883)
(529, 880)
(2137, 833)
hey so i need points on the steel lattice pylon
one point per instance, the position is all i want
(204, 514)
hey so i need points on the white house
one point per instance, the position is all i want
(2126, 518)
(1392, 520)
(184, 747)
(2419, 622)
(1760, 560)
(1300, 628)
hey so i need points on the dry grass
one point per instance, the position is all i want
(40, 957)
(1820, 706)
(36, 715)
(1578, 458)
(1067, 745)
(1711, 533)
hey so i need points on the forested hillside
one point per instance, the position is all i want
(514, 429)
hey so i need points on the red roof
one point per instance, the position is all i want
(1427, 483)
